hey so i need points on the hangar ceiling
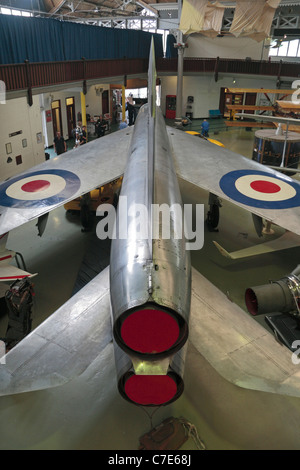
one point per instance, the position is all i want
(72, 9)
(69, 9)
(153, 14)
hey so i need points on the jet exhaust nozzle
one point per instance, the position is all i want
(149, 383)
(278, 296)
(151, 390)
(150, 331)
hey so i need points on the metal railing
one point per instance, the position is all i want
(33, 75)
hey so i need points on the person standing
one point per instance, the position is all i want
(205, 128)
(59, 144)
(83, 136)
(100, 127)
(123, 124)
(131, 110)
(77, 140)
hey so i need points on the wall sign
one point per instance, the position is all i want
(8, 148)
(15, 133)
(39, 138)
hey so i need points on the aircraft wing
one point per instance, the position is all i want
(9, 273)
(240, 349)
(284, 242)
(275, 119)
(64, 345)
(257, 188)
(61, 179)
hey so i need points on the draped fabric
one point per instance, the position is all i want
(49, 40)
(200, 16)
(192, 16)
(171, 51)
(213, 20)
(253, 18)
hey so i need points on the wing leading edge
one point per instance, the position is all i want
(255, 187)
(64, 345)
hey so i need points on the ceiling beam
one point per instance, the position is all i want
(147, 7)
(57, 7)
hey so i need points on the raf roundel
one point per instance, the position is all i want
(44, 187)
(261, 189)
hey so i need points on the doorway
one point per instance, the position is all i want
(105, 102)
(56, 117)
(226, 98)
(250, 100)
(71, 116)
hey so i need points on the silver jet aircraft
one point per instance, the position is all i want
(149, 302)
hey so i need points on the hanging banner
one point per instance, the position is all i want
(200, 16)
(253, 18)
(213, 20)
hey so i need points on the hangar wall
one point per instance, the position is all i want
(206, 91)
(225, 47)
(22, 142)
(93, 103)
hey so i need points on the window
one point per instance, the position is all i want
(285, 48)
(5, 11)
(273, 51)
(293, 48)
(9, 11)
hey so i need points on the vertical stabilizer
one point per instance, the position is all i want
(152, 81)
(151, 135)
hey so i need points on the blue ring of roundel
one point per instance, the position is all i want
(72, 186)
(227, 184)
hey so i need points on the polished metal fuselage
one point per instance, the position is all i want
(150, 268)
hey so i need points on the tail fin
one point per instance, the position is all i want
(151, 135)
(152, 80)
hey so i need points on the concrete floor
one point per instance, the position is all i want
(88, 412)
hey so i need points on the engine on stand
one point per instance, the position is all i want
(282, 299)
(19, 301)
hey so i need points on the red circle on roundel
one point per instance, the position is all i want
(150, 389)
(34, 186)
(265, 186)
(150, 331)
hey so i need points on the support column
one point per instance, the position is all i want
(83, 108)
(123, 104)
(179, 77)
(180, 48)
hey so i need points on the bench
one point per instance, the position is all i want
(215, 113)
